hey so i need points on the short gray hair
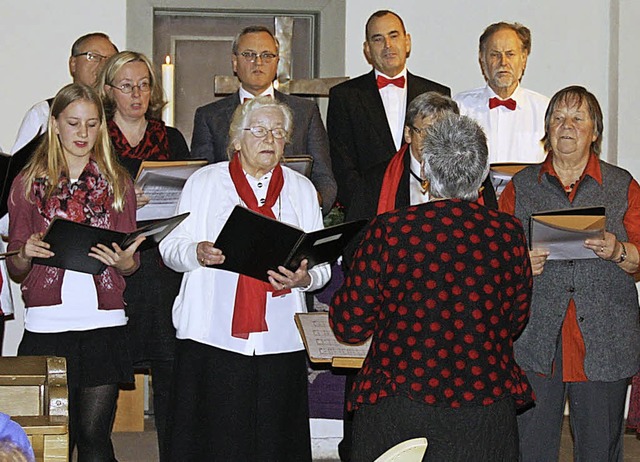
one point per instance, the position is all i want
(430, 104)
(455, 157)
(253, 30)
(76, 48)
(243, 112)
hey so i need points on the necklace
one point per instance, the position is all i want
(424, 184)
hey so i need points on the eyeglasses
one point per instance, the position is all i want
(91, 56)
(261, 132)
(126, 88)
(252, 56)
(419, 131)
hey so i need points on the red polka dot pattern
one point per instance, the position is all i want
(445, 287)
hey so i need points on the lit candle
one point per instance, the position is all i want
(168, 71)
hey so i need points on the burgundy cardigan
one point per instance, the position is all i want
(39, 288)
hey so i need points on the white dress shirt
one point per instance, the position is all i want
(394, 100)
(513, 136)
(33, 124)
(416, 195)
(244, 94)
(203, 310)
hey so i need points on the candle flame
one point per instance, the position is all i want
(167, 59)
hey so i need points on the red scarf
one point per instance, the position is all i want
(154, 145)
(391, 181)
(250, 305)
(88, 200)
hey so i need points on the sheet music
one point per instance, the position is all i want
(162, 183)
(321, 343)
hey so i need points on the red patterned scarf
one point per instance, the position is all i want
(249, 310)
(88, 200)
(153, 146)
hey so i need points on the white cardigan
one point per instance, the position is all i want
(203, 309)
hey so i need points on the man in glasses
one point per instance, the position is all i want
(254, 56)
(88, 54)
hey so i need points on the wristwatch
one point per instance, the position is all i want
(623, 254)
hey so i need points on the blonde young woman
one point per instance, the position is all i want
(81, 317)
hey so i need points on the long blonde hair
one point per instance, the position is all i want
(48, 160)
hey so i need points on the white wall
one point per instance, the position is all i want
(570, 40)
(35, 43)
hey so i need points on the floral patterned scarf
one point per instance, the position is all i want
(153, 146)
(88, 201)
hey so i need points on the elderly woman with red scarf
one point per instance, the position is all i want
(240, 370)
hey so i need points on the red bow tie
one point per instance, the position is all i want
(382, 81)
(508, 103)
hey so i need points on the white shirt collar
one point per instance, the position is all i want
(242, 93)
(402, 73)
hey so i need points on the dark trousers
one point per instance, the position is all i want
(596, 417)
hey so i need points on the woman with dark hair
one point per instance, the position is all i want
(582, 342)
(443, 290)
(133, 99)
(74, 175)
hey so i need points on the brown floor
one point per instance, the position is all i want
(141, 447)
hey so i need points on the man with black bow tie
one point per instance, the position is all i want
(365, 119)
(512, 117)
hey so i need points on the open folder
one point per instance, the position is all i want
(253, 243)
(502, 172)
(562, 232)
(162, 182)
(71, 242)
(322, 345)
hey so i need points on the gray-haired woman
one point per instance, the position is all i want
(443, 289)
(240, 369)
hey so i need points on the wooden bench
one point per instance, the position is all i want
(33, 391)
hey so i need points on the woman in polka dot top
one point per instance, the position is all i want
(444, 289)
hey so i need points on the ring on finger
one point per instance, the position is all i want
(601, 249)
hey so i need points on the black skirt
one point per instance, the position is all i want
(94, 357)
(477, 433)
(232, 407)
(149, 295)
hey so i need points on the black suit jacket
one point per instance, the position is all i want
(359, 133)
(211, 138)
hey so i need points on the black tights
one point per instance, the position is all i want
(91, 414)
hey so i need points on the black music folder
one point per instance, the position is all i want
(71, 242)
(253, 243)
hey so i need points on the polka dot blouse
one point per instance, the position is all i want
(444, 288)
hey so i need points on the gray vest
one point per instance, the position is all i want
(605, 296)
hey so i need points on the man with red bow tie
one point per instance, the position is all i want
(365, 119)
(512, 117)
